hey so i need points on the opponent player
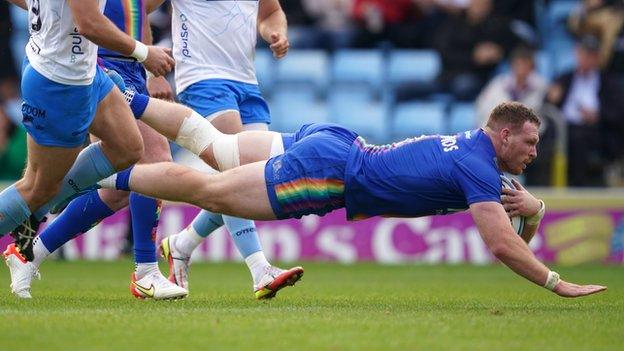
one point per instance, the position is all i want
(65, 97)
(324, 167)
(87, 210)
(214, 47)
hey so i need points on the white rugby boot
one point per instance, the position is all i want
(155, 286)
(179, 263)
(22, 272)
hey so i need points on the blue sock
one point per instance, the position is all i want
(207, 222)
(13, 210)
(123, 179)
(138, 102)
(145, 213)
(82, 214)
(90, 167)
(243, 232)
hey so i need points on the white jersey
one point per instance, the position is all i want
(55, 48)
(214, 40)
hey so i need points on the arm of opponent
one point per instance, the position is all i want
(20, 3)
(157, 87)
(93, 25)
(497, 233)
(273, 27)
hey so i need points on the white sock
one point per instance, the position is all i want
(257, 263)
(40, 252)
(143, 269)
(109, 183)
(187, 240)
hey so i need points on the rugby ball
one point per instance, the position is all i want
(517, 222)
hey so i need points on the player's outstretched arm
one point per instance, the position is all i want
(92, 24)
(497, 233)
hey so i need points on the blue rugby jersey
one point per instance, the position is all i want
(421, 176)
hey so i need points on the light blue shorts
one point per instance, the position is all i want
(214, 95)
(59, 115)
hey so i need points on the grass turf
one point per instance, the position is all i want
(86, 305)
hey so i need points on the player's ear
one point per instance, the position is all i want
(505, 133)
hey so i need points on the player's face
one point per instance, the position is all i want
(519, 148)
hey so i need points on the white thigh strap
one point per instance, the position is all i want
(225, 150)
(196, 134)
(277, 145)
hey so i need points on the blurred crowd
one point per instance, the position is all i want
(488, 55)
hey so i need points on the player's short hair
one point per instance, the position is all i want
(513, 114)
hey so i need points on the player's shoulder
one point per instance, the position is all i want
(476, 153)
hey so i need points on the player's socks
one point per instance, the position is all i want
(90, 166)
(257, 264)
(203, 225)
(117, 181)
(82, 214)
(13, 210)
(138, 102)
(242, 231)
(40, 252)
(143, 269)
(145, 213)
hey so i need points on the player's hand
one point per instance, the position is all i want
(159, 88)
(519, 202)
(566, 289)
(279, 45)
(159, 60)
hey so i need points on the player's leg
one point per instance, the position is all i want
(145, 215)
(119, 147)
(223, 114)
(177, 248)
(56, 129)
(86, 211)
(58, 115)
(308, 178)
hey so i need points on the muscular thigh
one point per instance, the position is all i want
(242, 192)
(115, 126)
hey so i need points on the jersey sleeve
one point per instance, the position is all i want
(479, 180)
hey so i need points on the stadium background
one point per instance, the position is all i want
(386, 69)
(377, 66)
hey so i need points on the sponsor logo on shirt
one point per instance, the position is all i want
(184, 36)
(77, 48)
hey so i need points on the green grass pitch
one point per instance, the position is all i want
(87, 306)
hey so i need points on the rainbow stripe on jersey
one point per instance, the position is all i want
(310, 194)
(128, 17)
(133, 24)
